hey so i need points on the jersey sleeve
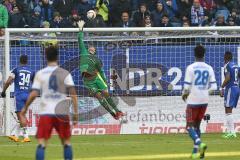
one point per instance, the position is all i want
(68, 81)
(13, 73)
(188, 78)
(212, 80)
(83, 49)
(212, 76)
(37, 82)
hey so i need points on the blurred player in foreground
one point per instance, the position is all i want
(231, 92)
(22, 77)
(198, 83)
(94, 78)
(53, 84)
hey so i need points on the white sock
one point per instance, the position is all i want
(16, 130)
(25, 132)
(230, 123)
(226, 123)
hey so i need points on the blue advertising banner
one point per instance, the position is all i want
(140, 70)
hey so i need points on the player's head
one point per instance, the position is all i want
(199, 52)
(51, 54)
(92, 49)
(23, 59)
(228, 56)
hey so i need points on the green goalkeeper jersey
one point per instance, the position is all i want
(89, 63)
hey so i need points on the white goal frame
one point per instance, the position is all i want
(9, 31)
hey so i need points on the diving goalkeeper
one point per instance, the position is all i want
(94, 78)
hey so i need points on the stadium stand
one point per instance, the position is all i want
(61, 13)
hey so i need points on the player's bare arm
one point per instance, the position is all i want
(6, 85)
(185, 95)
(225, 82)
(73, 95)
(187, 83)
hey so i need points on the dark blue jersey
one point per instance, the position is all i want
(232, 69)
(23, 78)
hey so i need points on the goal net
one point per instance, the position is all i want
(149, 66)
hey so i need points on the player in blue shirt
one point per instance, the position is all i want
(230, 91)
(22, 77)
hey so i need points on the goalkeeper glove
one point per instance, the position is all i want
(80, 25)
(3, 94)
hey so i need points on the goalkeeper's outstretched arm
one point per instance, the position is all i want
(82, 46)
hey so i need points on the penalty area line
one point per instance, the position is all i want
(163, 156)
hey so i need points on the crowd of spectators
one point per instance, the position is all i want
(119, 13)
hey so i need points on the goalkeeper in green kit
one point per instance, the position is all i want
(94, 78)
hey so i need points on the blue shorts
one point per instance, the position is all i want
(231, 96)
(21, 99)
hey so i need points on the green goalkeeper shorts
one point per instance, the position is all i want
(96, 85)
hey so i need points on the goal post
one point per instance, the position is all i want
(7, 73)
(148, 65)
(2, 76)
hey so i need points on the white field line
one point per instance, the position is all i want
(19, 144)
(163, 156)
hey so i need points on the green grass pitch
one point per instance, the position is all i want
(125, 147)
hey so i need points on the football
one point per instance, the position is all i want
(91, 14)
